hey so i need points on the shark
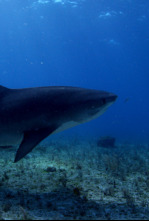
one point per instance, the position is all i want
(29, 115)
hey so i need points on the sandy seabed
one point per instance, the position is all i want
(75, 180)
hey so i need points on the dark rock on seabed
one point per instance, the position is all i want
(106, 142)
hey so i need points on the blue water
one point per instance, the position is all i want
(102, 44)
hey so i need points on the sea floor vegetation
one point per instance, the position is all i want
(75, 180)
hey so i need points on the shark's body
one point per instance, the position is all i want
(29, 115)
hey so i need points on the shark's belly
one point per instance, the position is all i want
(8, 138)
(66, 126)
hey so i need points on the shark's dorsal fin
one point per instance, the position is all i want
(3, 90)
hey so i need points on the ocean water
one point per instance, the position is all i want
(98, 44)
(93, 44)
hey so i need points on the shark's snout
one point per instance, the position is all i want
(94, 104)
(111, 98)
(102, 98)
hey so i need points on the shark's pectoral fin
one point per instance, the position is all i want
(31, 139)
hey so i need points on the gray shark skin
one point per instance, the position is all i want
(29, 115)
